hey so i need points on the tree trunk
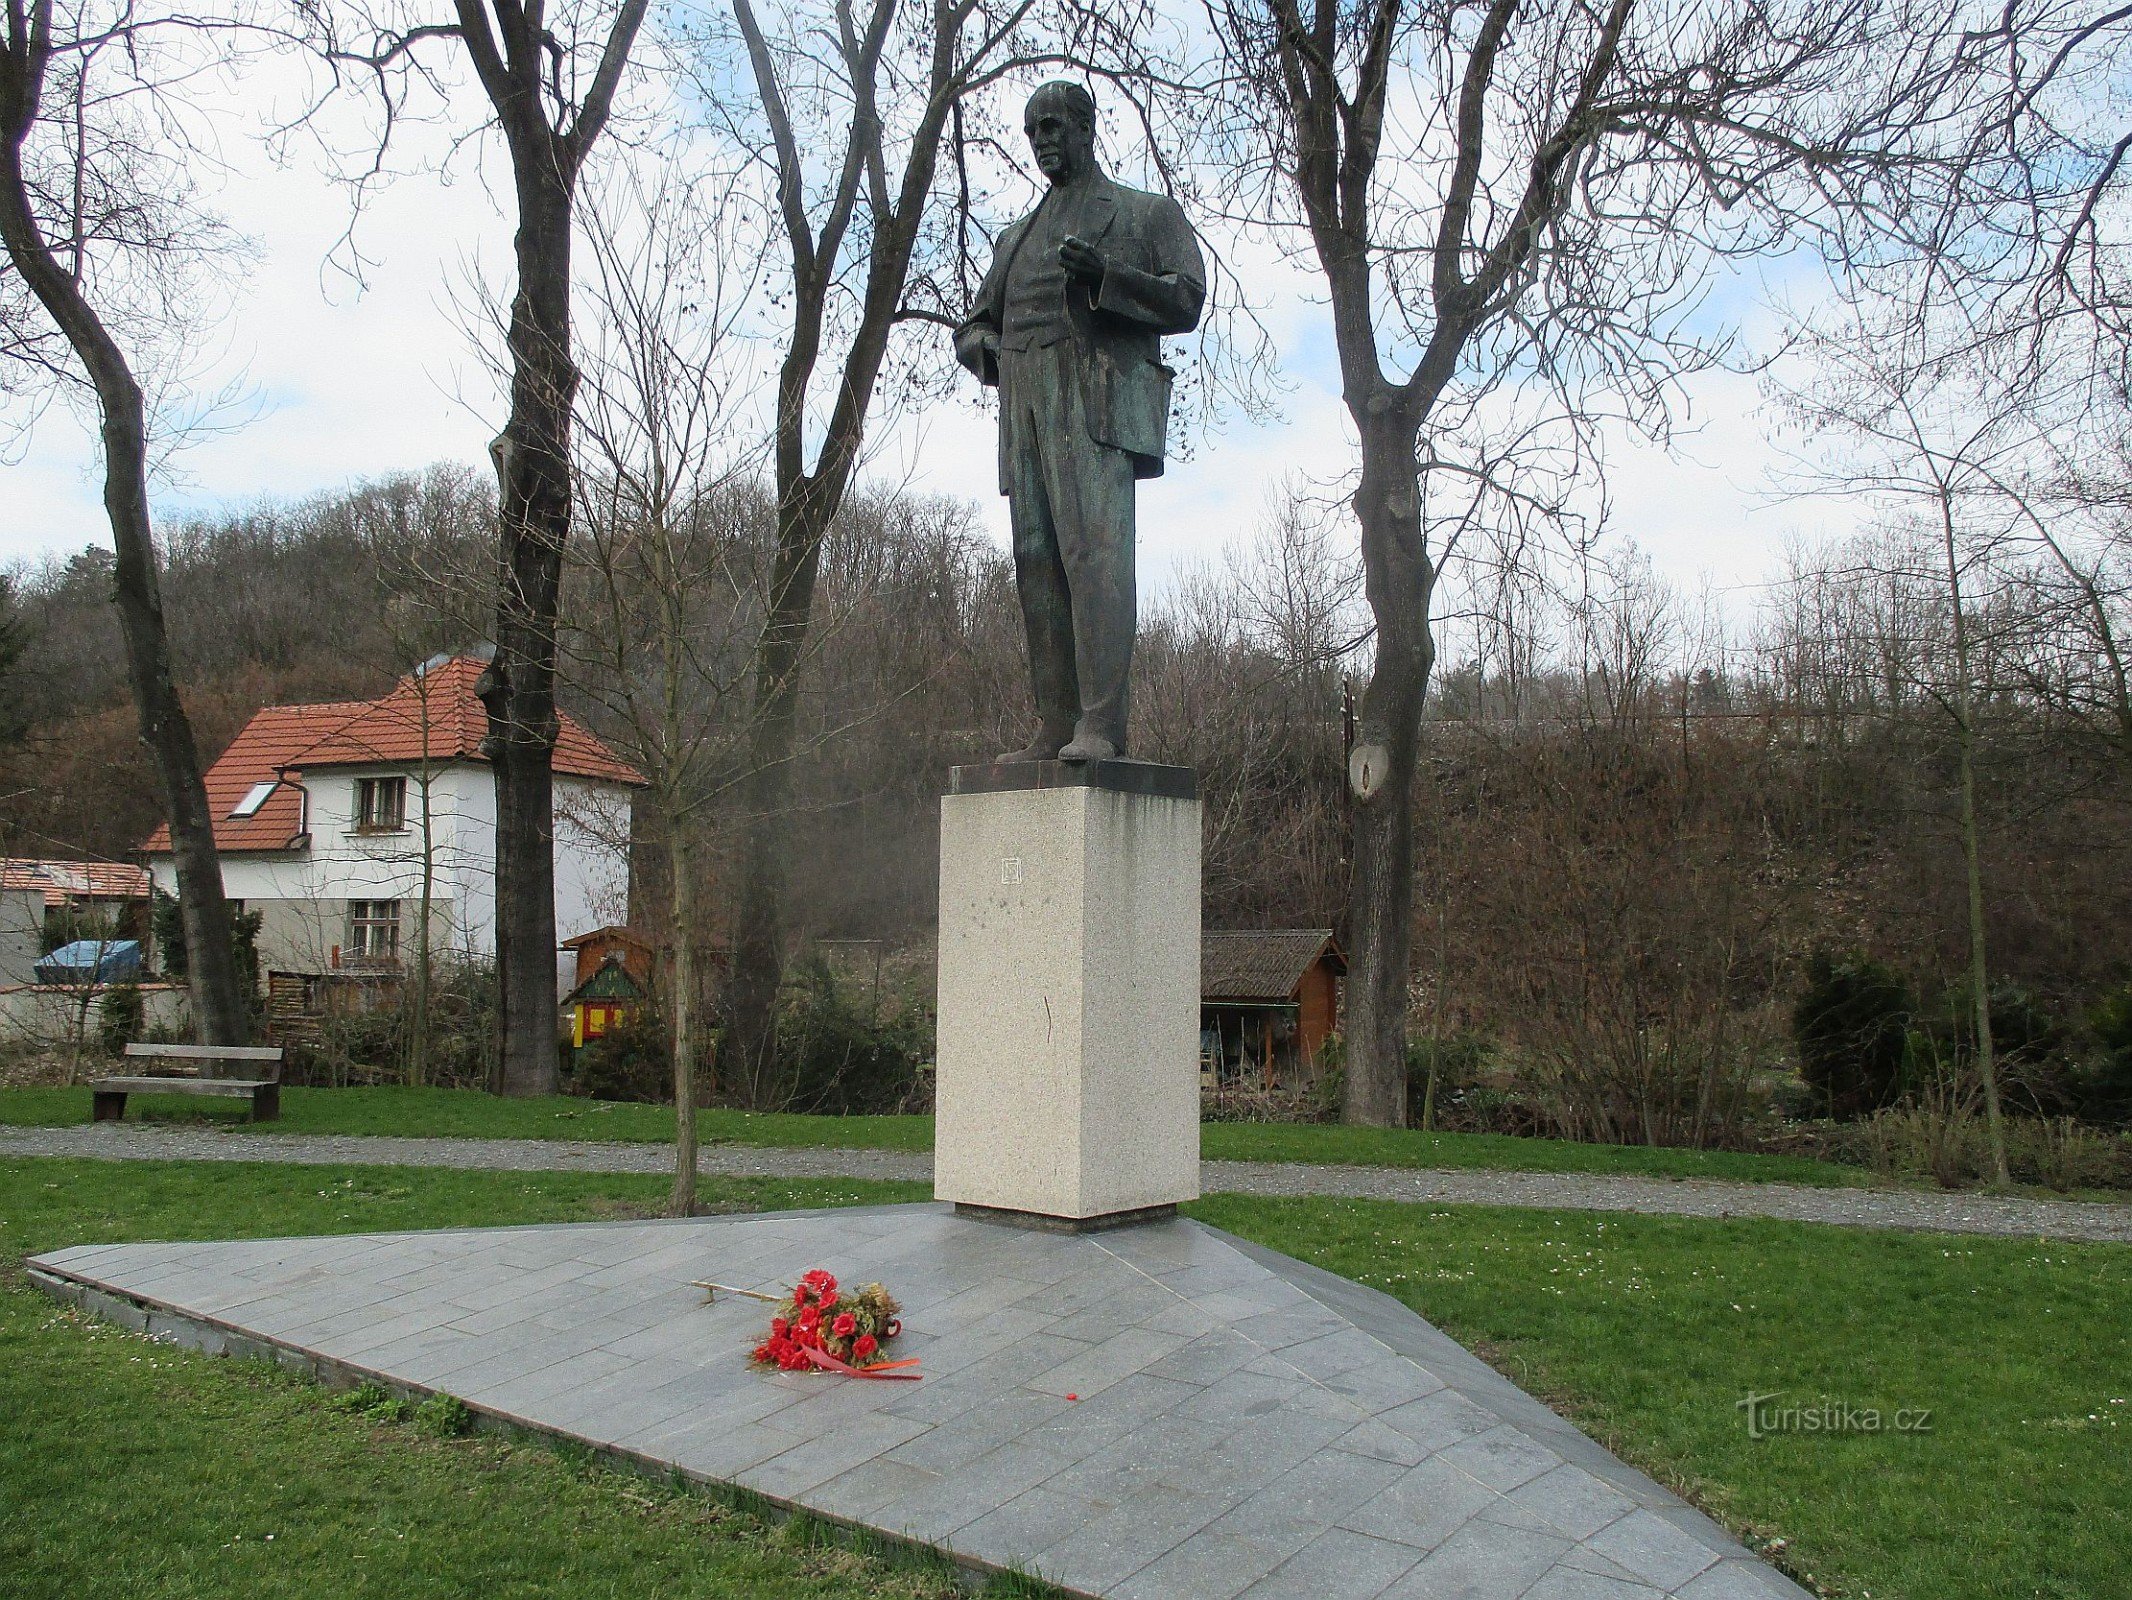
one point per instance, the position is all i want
(418, 1037)
(1979, 967)
(758, 971)
(220, 1013)
(1380, 904)
(532, 458)
(1972, 851)
(682, 856)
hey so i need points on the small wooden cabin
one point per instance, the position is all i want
(632, 949)
(1268, 1001)
(603, 1002)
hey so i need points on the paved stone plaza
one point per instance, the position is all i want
(1161, 1412)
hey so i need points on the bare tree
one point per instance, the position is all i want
(14, 641)
(96, 209)
(1499, 198)
(550, 81)
(842, 99)
(671, 600)
(2081, 516)
(1941, 453)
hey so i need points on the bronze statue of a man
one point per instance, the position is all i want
(1069, 325)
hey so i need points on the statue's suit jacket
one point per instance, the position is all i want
(1155, 282)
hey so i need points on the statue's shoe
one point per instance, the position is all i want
(1044, 747)
(1089, 747)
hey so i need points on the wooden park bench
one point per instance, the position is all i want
(263, 1091)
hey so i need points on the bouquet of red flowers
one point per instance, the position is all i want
(821, 1327)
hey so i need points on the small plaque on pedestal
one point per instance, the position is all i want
(1068, 1065)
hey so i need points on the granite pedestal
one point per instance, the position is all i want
(1068, 1067)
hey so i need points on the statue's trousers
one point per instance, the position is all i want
(1071, 503)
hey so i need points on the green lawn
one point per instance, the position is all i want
(133, 1468)
(441, 1113)
(1648, 1330)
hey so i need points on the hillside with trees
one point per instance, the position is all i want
(1649, 830)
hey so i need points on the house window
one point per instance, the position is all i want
(373, 930)
(380, 805)
(254, 798)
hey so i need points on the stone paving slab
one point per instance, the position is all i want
(1157, 1413)
(2008, 1216)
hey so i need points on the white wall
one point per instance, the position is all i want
(304, 896)
(21, 934)
(591, 856)
(591, 865)
(52, 1015)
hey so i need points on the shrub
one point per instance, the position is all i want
(2058, 1153)
(167, 925)
(631, 1062)
(1635, 1062)
(844, 1055)
(462, 1023)
(1851, 1028)
(1327, 1095)
(1939, 1136)
(369, 1042)
(120, 1016)
(2028, 1045)
(2101, 1087)
(1295, 1103)
(1442, 1070)
(1942, 1137)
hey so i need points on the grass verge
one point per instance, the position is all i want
(465, 1113)
(130, 1467)
(135, 1467)
(1650, 1331)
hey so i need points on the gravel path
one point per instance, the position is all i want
(1855, 1208)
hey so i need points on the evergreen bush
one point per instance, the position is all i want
(2101, 1086)
(844, 1053)
(120, 1018)
(1851, 1027)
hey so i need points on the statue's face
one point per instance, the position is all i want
(1063, 144)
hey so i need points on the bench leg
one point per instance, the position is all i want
(266, 1103)
(108, 1107)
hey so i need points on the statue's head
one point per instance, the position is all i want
(1060, 121)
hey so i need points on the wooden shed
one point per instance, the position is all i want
(1268, 999)
(632, 949)
(606, 1000)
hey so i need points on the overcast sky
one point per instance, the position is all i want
(355, 381)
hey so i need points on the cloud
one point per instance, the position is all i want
(360, 381)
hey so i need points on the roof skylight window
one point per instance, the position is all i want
(254, 798)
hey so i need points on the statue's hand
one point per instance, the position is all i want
(977, 347)
(1081, 260)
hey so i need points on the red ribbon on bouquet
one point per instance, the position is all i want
(886, 1369)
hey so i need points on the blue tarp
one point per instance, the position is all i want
(92, 961)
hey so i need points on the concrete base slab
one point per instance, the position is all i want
(1159, 1412)
(1046, 1223)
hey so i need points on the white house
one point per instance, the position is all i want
(329, 818)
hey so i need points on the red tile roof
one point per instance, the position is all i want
(391, 729)
(272, 740)
(61, 881)
(361, 733)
